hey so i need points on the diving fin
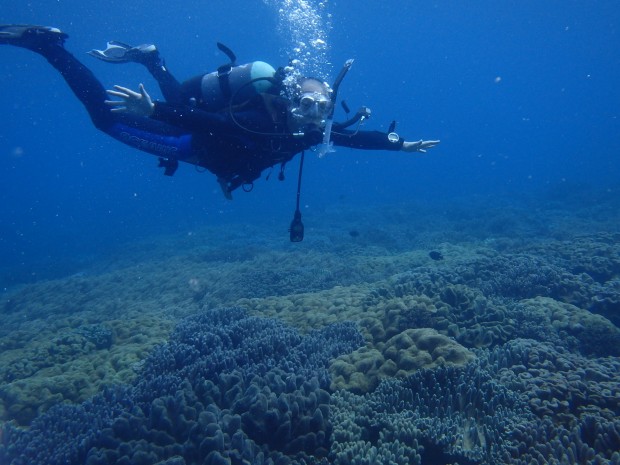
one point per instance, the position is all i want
(119, 52)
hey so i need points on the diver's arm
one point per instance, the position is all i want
(376, 140)
(189, 118)
(182, 116)
(366, 140)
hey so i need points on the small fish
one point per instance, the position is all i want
(435, 255)
(354, 233)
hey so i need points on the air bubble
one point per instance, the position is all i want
(301, 23)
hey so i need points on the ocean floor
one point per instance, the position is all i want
(484, 332)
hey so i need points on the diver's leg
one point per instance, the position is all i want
(142, 133)
(169, 86)
(173, 91)
(148, 56)
(48, 42)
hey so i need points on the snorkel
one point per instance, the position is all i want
(328, 146)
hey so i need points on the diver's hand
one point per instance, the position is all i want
(136, 103)
(419, 146)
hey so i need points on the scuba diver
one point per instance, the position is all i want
(235, 122)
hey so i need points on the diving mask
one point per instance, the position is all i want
(313, 106)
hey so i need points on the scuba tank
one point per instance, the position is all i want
(243, 81)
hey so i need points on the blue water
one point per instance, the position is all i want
(523, 95)
(101, 256)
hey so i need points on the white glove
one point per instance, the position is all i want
(132, 102)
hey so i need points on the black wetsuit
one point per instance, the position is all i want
(235, 150)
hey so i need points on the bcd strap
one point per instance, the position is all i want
(223, 74)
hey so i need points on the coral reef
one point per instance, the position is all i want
(401, 355)
(226, 387)
(347, 349)
(500, 408)
(47, 361)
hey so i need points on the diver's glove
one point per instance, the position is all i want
(419, 146)
(136, 103)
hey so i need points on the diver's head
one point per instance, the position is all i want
(312, 103)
